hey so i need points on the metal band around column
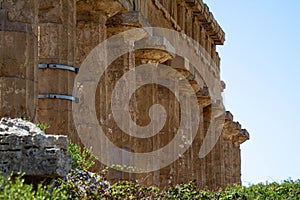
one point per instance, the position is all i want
(58, 96)
(59, 66)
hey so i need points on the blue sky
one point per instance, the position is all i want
(260, 63)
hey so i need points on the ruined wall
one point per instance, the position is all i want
(66, 32)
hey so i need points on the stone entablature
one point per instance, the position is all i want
(191, 17)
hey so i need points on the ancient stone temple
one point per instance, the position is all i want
(44, 43)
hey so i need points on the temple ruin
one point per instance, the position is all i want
(43, 44)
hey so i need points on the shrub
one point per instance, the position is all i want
(15, 189)
(42, 126)
(84, 185)
(130, 190)
(82, 158)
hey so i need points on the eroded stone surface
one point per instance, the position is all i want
(25, 148)
(18, 58)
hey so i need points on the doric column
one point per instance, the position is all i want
(188, 166)
(232, 137)
(90, 32)
(57, 25)
(18, 58)
(154, 50)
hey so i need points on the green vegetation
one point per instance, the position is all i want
(82, 158)
(42, 126)
(15, 188)
(130, 190)
(274, 191)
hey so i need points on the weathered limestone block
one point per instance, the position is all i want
(153, 15)
(204, 97)
(183, 66)
(153, 50)
(88, 9)
(241, 137)
(25, 148)
(233, 130)
(125, 21)
(18, 58)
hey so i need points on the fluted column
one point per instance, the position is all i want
(18, 58)
(57, 25)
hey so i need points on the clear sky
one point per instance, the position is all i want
(260, 63)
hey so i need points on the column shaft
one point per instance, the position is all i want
(57, 46)
(18, 58)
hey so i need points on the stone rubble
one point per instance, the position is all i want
(25, 148)
(85, 181)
